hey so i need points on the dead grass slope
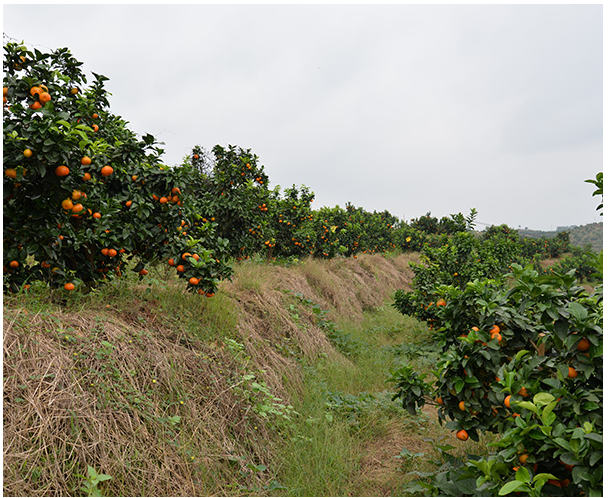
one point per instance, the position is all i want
(151, 386)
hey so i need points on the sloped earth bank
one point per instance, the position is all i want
(172, 395)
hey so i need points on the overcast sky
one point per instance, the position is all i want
(409, 108)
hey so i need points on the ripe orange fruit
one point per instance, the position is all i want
(163, 200)
(128, 203)
(196, 156)
(193, 280)
(107, 171)
(496, 336)
(440, 401)
(74, 91)
(36, 105)
(494, 330)
(97, 216)
(44, 97)
(76, 195)
(134, 178)
(186, 255)
(180, 268)
(209, 294)
(95, 127)
(196, 257)
(462, 435)
(522, 392)
(441, 302)
(572, 373)
(14, 264)
(143, 271)
(176, 191)
(36, 90)
(523, 458)
(11, 173)
(77, 208)
(85, 161)
(462, 405)
(583, 344)
(507, 401)
(28, 153)
(105, 251)
(67, 204)
(87, 177)
(62, 171)
(95, 115)
(69, 286)
(112, 253)
(171, 262)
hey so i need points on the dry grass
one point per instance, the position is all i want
(98, 383)
(88, 389)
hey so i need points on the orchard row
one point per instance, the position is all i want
(85, 199)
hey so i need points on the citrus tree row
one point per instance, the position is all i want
(521, 355)
(84, 198)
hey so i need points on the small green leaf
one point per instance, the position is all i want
(528, 405)
(543, 398)
(511, 487)
(578, 311)
(523, 475)
(543, 476)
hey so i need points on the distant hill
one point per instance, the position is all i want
(582, 236)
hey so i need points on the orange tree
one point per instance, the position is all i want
(522, 356)
(365, 231)
(232, 193)
(290, 222)
(350, 231)
(524, 361)
(84, 198)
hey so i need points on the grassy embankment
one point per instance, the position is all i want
(276, 386)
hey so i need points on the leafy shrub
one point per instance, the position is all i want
(84, 198)
(537, 380)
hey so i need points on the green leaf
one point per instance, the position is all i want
(547, 416)
(595, 457)
(569, 459)
(595, 436)
(543, 398)
(578, 311)
(520, 355)
(458, 385)
(528, 405)
(543, 476)
(511, 487)
(580, 474)
(523, 475)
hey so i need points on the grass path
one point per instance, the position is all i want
(173, 395)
